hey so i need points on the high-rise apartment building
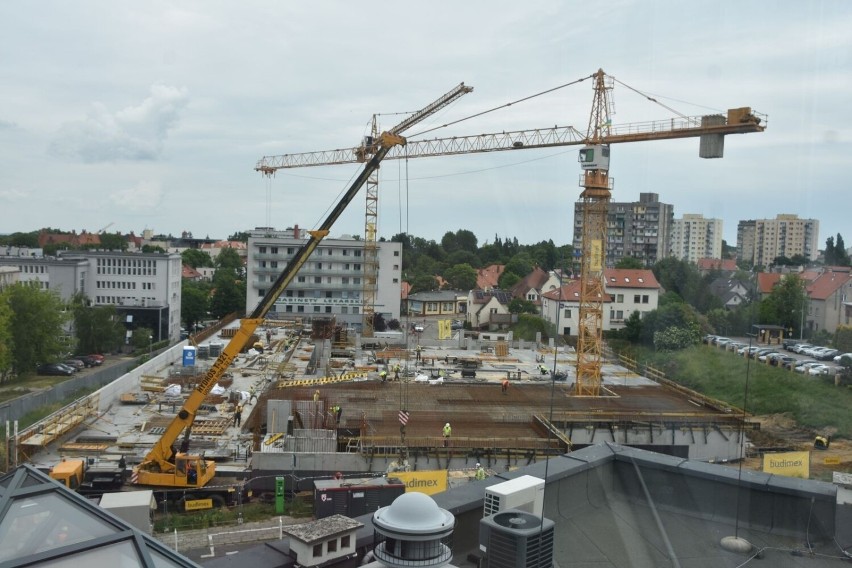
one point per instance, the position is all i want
(639, 229)
(329, 284)
(694, 237)
(761, 241)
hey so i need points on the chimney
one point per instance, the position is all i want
(296, 231)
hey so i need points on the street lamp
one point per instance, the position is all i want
(150, 343)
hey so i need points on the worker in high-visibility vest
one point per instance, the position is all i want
(383, 374)
(447, 432)
(396, 372)
(480, 473)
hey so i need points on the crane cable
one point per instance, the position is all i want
(502, 106)
(650, 98)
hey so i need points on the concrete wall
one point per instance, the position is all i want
(114, 380)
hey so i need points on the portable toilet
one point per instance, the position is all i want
(189, 356)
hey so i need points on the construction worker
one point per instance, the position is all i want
(316, 396)
(417, 353)
(505, 386)
(336, 410)
(238, 414)
(447, 432)
(396, 372)
(480, 473)
(543, 369)
(252, 394)
(383, 374)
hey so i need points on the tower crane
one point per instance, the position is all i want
(597, 185)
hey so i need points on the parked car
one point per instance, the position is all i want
(790, 364)
(91, 360)
(708, 339)
(789, 343)
(56, 369)
(735, 346)
(76, 363)
(838, 358)
(804, 366)
(799, 347)
(762, 351)
(719, 341)
(747, 351)
(762, 356)
(827, 355)
(820, 369)
(783, 361)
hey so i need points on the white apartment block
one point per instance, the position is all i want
(331, 281)
(761, 241)
(694, 237)
(145, 286)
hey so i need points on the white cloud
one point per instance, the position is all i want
(144, 196)
(134, 133)
(12, 194)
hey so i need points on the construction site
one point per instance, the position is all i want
(317, 399)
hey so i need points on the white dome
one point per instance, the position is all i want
(415, 512)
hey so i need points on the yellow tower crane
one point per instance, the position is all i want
(595, 180)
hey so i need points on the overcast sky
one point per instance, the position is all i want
(152, 115)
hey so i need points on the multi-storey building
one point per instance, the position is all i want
(639, 229)
(694, 238)
(146, 286)
(329, 284)
(761, 241)
(626, 291)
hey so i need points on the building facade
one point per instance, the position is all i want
(146, 286)
(761, 241)
(329, 284)
(626, 291)
(694, 237)
(639, 229)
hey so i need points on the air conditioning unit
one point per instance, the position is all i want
(516, 539)
(525, 493)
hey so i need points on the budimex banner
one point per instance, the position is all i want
(791, 464)
(428, 482)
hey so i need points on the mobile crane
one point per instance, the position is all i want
(166, 466)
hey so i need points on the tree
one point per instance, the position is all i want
(229, 295)
(7, 356)
(153, 248)
(522, 306)
(461, 277)
(843, 338)
(36, 325)
(98, 329)
(521, 264)
(194, 303)
(463, 257)
(196, 258)
(785, 305)
(229, 259)
(507, 280)
(241, 236)
(142, 338)
(629, 262)
(423, 282)
(113, 241)
(835, 252)
(460, 240)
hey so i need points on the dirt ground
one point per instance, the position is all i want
(780, 432)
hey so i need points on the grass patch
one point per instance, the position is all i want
(813, 402)
(221, 517)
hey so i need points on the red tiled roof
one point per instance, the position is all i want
(569, 293)
(630, 278)
(489, 276)
(532, 281)
(827, 284)
(189, 272)
(766, 281)
(727, 264)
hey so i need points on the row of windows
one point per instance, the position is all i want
(331, 545)
(329, 251)
(118, 285)
(118, 299)
(32, 269)
(128, 270)
(321, 309)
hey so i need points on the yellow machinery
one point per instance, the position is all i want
(166, 466)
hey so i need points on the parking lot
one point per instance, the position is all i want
(795, 355)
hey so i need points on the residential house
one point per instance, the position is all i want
(488, 309)
(829, 296)
(534, 284)
(626, 291)
(189, 273)
(632, 290)
(731, 291)
(449, 303)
